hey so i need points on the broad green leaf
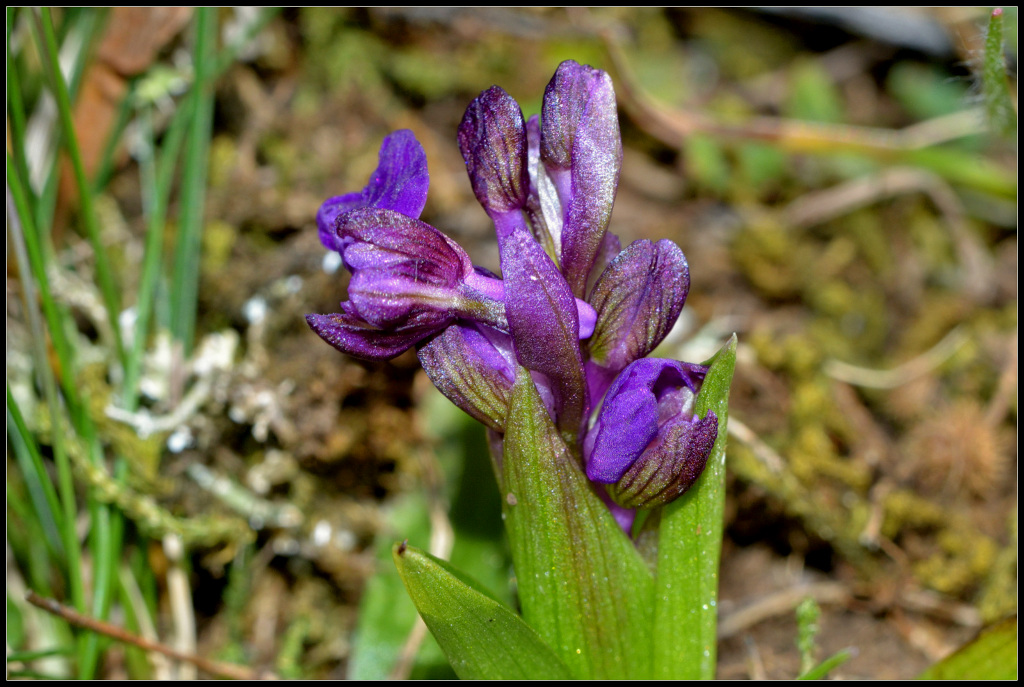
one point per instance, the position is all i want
(582, 584)
(992, 656)
(689, 544)
(482, 638)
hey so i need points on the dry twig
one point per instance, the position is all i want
(77, 619)
(673, 127)
(779, 603)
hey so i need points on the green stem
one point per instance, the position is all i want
(23, 442)
(994, 84)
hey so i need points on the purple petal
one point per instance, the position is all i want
(399, 183)
(637, 298)
(628, 422)
(582, 150)
(349, 334)
(543, 319)
(492, 137)
(473, 365)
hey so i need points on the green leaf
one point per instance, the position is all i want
(582, 584)
(689, 545)
(925, 91)
(992, 656)
(483, 639)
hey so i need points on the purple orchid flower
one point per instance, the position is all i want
(570, 307)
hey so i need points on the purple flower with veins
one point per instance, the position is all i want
(571, 307)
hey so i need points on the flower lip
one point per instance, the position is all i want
(352, 335)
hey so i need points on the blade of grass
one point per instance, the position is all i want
(26, 243)
(30, 252)
(37, 480)
(185, 277)
(157, 187)
(101, 176)
(76, 36)
(821, 671)
(104, 272)
(25, 538)
(15, 106)
(107, 526)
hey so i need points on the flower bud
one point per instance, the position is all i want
(492, 137)
(647, 443)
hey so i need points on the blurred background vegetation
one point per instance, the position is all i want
(189, 465)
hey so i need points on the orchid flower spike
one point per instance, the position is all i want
(571, 307)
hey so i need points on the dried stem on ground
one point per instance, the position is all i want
(115, 632)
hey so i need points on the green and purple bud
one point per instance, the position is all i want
(637, 298)
(648, 444)
(475, 367)
(581, 151)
